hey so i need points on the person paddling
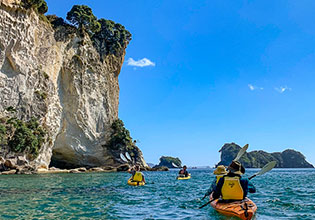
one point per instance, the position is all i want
(219, 172)
(232, 186)
(137, 176)
(183, 172)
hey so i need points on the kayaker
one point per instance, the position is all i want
(137, 176)
(183, 172)
(219, 172)
(232, 186)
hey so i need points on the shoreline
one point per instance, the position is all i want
(53, 170)
(105, 169)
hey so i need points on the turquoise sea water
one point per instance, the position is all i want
(281, 194)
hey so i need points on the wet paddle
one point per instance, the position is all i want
(241, 152)
(206, 204)
(265, 169)
(269, 166)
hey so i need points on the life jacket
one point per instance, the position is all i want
(182, 171)
(218, 178)
(137, 177)
(232, 189)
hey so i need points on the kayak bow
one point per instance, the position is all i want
(184, 178)
(134, 183)
(244, 209)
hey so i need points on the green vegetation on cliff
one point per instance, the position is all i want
(257, 159)
(120, 136)
(39, 5)
(21, 136)
(120, 140)
(83, 17)
(107, 36)
(112, 38)
(170, 162)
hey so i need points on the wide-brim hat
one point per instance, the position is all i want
(220, 170)
(236, 167)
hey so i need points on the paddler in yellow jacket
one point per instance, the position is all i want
(137, 176)
(232, 186)
(219, 172)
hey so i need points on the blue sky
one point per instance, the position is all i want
(216, 72)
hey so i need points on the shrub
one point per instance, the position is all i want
(3, 131)
(28, 136)
(39, 5)
(113, 35)
(82, 16)
(120, 136)
(10, 109)
(42, 95)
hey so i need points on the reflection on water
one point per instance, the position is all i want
(282, 194)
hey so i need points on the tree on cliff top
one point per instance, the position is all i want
(83, 16)
(114, 36)
(39, 5)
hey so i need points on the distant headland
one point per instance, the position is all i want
(257, 159)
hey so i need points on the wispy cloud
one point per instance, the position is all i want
(252, 88)
(282, 89)
(140, 63)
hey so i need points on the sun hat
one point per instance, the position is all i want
(236, 167)
(220, 170)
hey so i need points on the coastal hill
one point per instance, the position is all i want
(257, 159)
(59, 90)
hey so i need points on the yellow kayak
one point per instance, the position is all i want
(134, 183)
(184, 178)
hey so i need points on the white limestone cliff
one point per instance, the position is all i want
(57, 76)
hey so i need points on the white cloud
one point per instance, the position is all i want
(140, 63)
(252, 88)
(282, 89)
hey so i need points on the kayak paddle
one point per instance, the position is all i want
(241, 152)
(206, 204)
(238, 156)
(263, 170)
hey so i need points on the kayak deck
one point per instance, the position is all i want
(134, 183)
(244, 209)
(184, 178)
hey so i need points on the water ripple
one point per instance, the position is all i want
(281, 194)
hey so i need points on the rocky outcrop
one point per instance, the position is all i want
(158, 168)
(54, 73)
(169, 162)
(257, 159)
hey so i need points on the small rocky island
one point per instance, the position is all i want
(170, 162)
(257, 159)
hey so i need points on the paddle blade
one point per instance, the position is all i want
(267, 168)
(241, 152)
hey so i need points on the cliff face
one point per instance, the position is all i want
(56, 75)
(257, 159)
